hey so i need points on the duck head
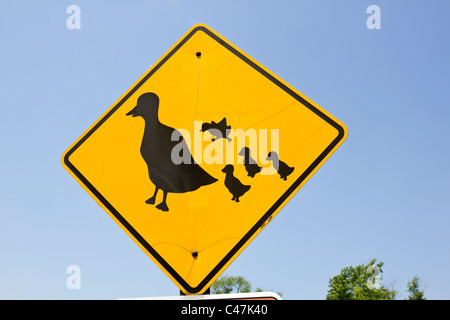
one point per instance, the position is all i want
(146, 107)
(228, 169)
(272, 156)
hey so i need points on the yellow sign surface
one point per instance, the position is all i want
(200, 154)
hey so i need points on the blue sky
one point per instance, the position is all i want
(384, 194)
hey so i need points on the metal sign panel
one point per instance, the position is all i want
(200, 154)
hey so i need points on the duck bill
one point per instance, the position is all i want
(132, 112)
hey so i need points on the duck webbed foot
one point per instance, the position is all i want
(152, 199)
(163, 205)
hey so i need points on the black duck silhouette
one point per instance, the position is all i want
(282, 168)
(250, 164)
(218, 130)
(236, 188)
(156, 150)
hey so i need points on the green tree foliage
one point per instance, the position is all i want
(360, 283)
(413, 289)
(227, 284)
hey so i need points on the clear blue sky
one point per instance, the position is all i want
(384, 194)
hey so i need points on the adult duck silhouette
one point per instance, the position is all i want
(156, 150)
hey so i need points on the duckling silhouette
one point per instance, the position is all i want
(156, 150)
(236, 188)
(250, 164)
(218, 130)
(282, 168)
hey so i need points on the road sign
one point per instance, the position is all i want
(200, 154)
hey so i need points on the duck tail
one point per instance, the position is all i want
(212, 180)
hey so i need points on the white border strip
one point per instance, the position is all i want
(225, 296)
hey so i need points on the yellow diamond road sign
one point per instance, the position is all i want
(200, 154)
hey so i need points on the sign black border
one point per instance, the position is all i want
(251, 232)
